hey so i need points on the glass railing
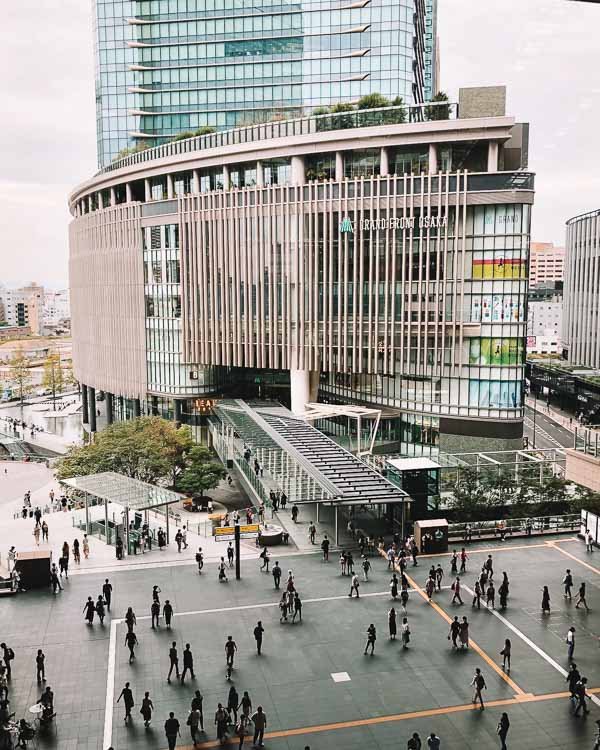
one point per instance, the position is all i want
(361, 118)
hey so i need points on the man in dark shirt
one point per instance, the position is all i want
(258, 636)
(197, 706)
(188, 663)
(107, 593)
(276, 574)
(174, 661)
(172, 730)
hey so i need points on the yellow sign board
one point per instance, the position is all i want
(227, 533)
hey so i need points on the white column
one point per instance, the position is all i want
(225, 177)
(339, 165)
(299, 390)
(113, 197)
(384, 162)
(260, 175)
(147, 191)
(492, 156)
(90, 207)
(298, 175)
(170, 192)
(100, 199)
(195, 181)
(127, 193)
(433, 158)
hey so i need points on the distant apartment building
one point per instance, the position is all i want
(546, 263)
(22, 306)
(57, 312)
(544, 319)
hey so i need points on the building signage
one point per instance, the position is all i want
(396, 222)
(227, 533)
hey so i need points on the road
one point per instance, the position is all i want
(548, 434)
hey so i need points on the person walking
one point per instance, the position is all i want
(40, 666)
(404, 599)
(155, 613)
(568, 584)
(240, 731)
(463, 560)
(265, 557)
(230, 649)
(589, 541)
(394, 586)
(230, 554)
(100, 611)
(366, 567)
(414, 743)
(297, 607)
(188, 663)
(430, 587)
(107, 592)
(130, 618)
(581, 597)
(193, 722)
(312, 532)
(36, 534)
(221, 722)
(392, 624)
(433, 742)
(456, 591)
(454, 632)
(545, 600)
(276, 573)
(405, 633)
(439, 575)
(200, 560)
(173, 661)
(476, 595)
(146, 709)
(503, 593)
(454, 563)
(89, 608)
(502, 730)
(489, 567)
(258, 636)
(76, 555)
(167, 612)
(580, 696)
(464, 633)
(283, 607)
(232, 704)
(197, 703)
(172, 731)
(478, 683)
(505, 654)
(355, 583)
(156, 591)
(7, 656)
(54, 580)
(325, 548)
(371, 638)
(490, 596)
(343, 562)
(259, 719)
(128, 702)
(86, 546)
(131, 642)
(222, 573)
(245, 706)
(44, 531)
(179, 540)
(572, 678)
(570, 641)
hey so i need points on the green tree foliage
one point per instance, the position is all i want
(373, 101)
(151, 449)
(442, 109)
(19, 375)
(53, 379)
(202, 472)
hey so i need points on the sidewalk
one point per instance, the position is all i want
(561, 417)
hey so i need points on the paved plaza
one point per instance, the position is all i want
(313, 680)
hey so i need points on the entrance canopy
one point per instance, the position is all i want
(131, 494)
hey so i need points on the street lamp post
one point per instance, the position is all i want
(534, 414)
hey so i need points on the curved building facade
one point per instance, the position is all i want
(581, 313)
(375, 258)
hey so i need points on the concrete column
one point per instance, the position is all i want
(492, 156)
(177, 404)
(137, 407)
(298, 171)
(110, 418)
(384, 162)
(170, 189)
(92, 408)
(195, 181)
(225, 177)
(299, 390)
(84, 404)
(433, 158)
(90, 207)
(128, 195)
(339, 165)
(100, 199)
(147, 191)
(260, 174)
(113, 197)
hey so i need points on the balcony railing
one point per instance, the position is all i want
(361, 118)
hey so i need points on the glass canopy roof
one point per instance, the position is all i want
(127, 492)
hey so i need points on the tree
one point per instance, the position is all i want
(202, 472)
(53, 378)
(373, 101)
(440, 110)
(151, 449)
(468, 497)
(19, 375)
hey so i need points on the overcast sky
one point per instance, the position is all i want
(546, 51)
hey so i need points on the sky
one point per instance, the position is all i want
(545, 51)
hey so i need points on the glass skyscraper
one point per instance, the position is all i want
(169, 66)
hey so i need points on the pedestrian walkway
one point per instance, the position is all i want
(560, 416)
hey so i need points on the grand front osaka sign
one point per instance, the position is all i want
(394, 222)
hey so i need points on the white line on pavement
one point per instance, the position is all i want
(110, 684)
